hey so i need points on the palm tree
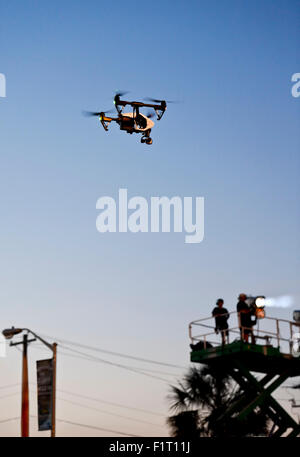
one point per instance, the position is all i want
(201, 398)
(185, 425)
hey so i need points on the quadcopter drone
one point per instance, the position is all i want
(133, 122)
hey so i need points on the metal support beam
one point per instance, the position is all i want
(250, 391)
(266, 397)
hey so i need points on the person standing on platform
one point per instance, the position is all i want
(221, 316)
(245, 320)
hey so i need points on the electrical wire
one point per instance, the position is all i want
(119, 354)
(99, 400)
(9, 395)
(85, 356)
(108, 412)
(111, 403)
(8, 420)
(144, 371)
(9, 386)
(88, 357)
(93, 427)
(125, 367)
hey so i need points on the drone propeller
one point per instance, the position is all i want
(95, 113)
(154, 100)
(120, 94)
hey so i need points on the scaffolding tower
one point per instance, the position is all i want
(276, 359)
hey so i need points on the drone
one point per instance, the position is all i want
(134, 122)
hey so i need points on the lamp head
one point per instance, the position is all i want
(257, 305)
(9, 333)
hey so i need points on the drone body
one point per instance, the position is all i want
(137, 124)
(133, 122)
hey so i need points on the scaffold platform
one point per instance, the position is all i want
(276, 360)
(258, 358)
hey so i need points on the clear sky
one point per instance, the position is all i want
(234, 140)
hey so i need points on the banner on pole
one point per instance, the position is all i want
(44, 369)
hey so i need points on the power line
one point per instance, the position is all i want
(93, 358)
(93, 427)
(125, 367)
(108, 412)
(10, 419)
(94, 409)
(100, 400)
(9, 395)
(91, 408)
(111, 403)
(9, 386)
(97, 428)
(119, 354)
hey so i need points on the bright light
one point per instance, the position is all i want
(260, 302)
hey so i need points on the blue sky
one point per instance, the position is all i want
(234, 140)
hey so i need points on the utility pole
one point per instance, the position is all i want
(9, 334)
(25, 387)
(53, 429)
(25, 391)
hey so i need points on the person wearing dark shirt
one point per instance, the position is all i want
(221, 316)
(245, 321)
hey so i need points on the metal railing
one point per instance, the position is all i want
(276, 332)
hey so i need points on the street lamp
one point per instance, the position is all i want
(9, 334)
